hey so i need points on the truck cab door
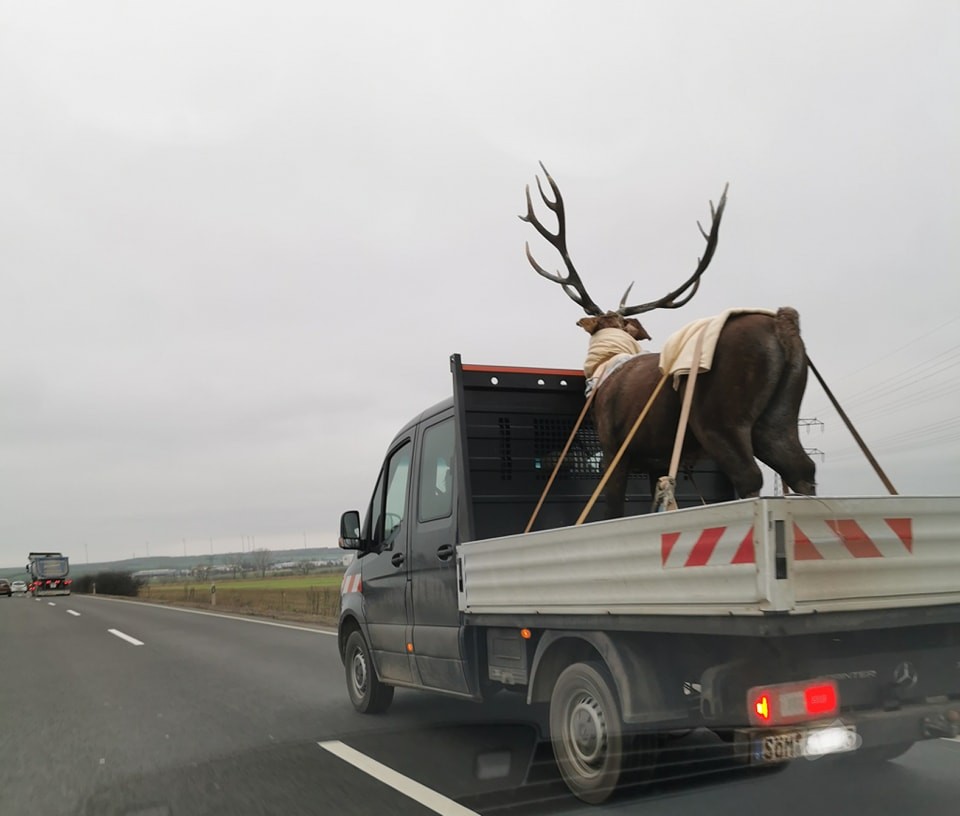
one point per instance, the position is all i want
(436, 616)
(385, 568)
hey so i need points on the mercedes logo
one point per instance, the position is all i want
(905, 675)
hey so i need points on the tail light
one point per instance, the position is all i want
(788, 703)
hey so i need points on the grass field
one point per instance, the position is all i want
(324, 579)
(309, 595)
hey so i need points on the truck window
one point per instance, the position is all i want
(436, 472)
(386, 512)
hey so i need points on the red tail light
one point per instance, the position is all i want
(788, 703)
(822, 700)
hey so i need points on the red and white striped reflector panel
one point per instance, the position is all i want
(351, 583)
(714, 546)
(852, 538)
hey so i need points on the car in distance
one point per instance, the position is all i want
(5, 588)
(19, 587)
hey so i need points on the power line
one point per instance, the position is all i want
(903, 378)
(885, 358)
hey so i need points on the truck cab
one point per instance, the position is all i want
(410, 527)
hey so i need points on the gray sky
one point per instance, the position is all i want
(239, 240)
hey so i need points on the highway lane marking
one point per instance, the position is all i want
(220, 615)
(50, 603)
(73, 612)
(421, 794)
(122, 636)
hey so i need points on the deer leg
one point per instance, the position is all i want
(776, 439)
(732, 450)
(781, 449)
(616, 490)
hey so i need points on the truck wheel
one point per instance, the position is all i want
(586, 729)
(367, 693)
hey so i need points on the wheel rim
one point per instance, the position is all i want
(359, 672)
(585, 734)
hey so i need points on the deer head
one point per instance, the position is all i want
(597, 318)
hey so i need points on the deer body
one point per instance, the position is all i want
(746, 407)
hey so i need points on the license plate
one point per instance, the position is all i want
(811, 742)
(783, 746)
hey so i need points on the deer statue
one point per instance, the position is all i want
(745, 406)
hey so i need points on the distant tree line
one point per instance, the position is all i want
(109, 582)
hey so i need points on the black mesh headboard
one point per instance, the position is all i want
(514, 422)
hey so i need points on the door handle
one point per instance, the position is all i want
(445, 552)
(397, 559)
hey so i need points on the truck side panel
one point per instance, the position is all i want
(690, 562)
(751, 557)
(877, 552)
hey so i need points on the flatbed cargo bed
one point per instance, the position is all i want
(752, 557)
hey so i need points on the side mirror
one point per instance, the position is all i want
(350, 531)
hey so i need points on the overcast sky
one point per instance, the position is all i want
(239, 240)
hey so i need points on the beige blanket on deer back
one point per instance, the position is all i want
(678, 352)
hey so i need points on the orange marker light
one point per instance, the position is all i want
(409, 647)
(762, 707)
(526, 634)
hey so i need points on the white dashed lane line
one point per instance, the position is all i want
(73, 612)
(421, 794)
(131, 640)
(50, 603)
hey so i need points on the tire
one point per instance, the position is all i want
(586, 729)
(367, 693)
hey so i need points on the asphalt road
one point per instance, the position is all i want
(108, 707)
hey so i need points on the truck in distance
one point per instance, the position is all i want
(48, 573)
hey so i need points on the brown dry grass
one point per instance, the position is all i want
(318, 603)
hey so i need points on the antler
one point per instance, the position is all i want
(571, 284)
(669, 301)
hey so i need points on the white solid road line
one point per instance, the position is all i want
(414, 790)
(219, 615)
(73, 612)
(127, 638)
